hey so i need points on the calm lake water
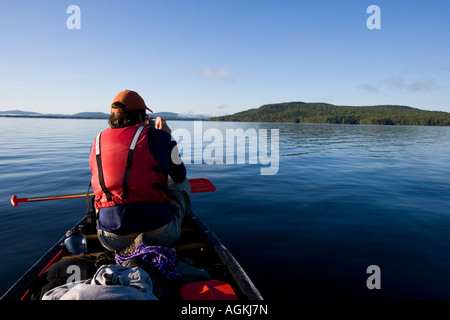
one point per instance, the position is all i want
(344, 197)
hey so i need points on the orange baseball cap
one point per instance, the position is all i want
(132, 101)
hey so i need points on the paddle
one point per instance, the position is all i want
(197, 186)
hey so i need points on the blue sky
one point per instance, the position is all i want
(223, 56)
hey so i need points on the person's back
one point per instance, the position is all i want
(130, 164)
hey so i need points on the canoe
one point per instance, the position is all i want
(210, 271)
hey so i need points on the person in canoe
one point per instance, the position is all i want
(131, 163)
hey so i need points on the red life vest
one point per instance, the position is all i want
(124, 170)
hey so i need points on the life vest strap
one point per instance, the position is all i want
(99, 168)
(126, 176)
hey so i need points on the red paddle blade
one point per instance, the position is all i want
(208, 290)
(15, 201)
(201, 185)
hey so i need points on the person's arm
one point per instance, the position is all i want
(165, 151)
(176, 170)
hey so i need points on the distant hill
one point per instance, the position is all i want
(18, 112)
(302, 112)
(180, 116)
(98, 115)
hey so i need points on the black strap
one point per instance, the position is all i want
(100, 172)
(126, 176)
(88, 206)
(90, 213)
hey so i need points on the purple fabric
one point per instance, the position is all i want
(162, 258)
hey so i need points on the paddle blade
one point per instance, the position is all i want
(208, 290)
(15, 201)
(201, 185)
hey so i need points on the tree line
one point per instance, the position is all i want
(302, 112)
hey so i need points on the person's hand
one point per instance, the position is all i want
(161, 124)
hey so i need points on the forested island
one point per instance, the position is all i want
(302, 112)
